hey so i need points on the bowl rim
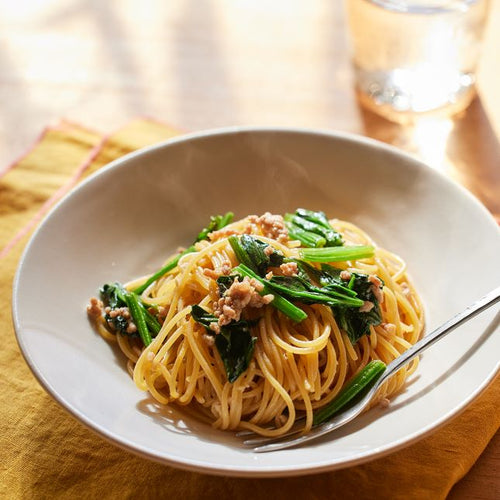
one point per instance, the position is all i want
(241, 471)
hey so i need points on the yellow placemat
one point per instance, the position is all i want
(45, 453)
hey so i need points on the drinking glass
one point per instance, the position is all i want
(416, 57)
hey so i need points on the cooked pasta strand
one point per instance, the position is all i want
(296, 367)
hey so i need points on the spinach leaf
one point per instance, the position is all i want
(298, 288)
(356, 323)
(216, 222)
(113, 295)
(251, 252)
(327, 275)
(224, 283)
(336, 293)
(120, 324)
(312, 229)
(116, 296)
(203, 317)
(234, 343)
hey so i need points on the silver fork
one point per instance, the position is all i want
(295, 438)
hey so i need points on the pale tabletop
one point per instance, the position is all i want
(199, 64)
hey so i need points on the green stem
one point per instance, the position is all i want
(138, 316)
(361, 381)
(315, 226)
(239, 251)
(152, 323)
(171, 264)
(336, 254)
(328, 297)
(340, 289)
(307, 238)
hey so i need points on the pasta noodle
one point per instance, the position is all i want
(296, 367)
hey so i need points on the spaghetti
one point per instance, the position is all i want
(290, 368)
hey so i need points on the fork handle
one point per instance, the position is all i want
(474, 309)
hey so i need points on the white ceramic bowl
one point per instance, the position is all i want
(123, 221)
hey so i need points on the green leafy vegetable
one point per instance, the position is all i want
(328, 277)
(307, 238)
(203, 317)
(116, 296)
(137, 313)
(119, 323)
(171, 264)
(240, 253)
(216, 222)
(354, 322)
(113, 295)
(345, 299)
(153, 324)
(251, 252)
(297, 288)
(357, 386)
(234, 343)
(301, 289)
(336, 254)
(235, 346)
(312, 223)
(224, 283)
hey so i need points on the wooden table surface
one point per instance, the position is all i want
(200, 64)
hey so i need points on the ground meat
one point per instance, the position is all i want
(390, 328)
(215, 327)
(123, 312)
(269, 250)
(377, 288)
(225, 270)
(221, 233)
(239, 295)
(211, 273)
(131, 328)
(367, 306)
(94, 309)
(289, 269)
(208, 339)
(271, 225)
(345, 275)
(257, 285)
(119, 311)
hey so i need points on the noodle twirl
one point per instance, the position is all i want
(264, 319)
